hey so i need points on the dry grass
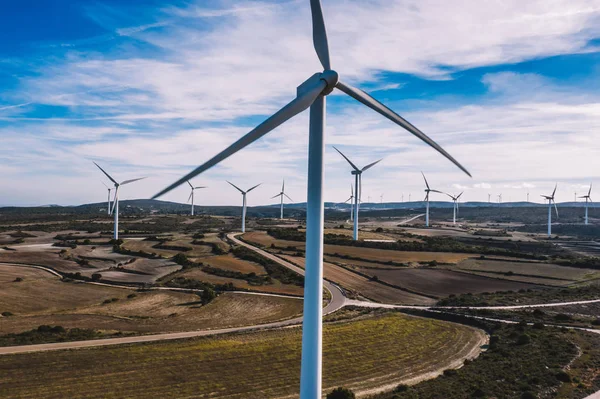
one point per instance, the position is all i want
(362, 355)
(229, 262)
(441, 283)
(180, 241)
(365, 287)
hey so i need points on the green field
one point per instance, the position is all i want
(364, 354)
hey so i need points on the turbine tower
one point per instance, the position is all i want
(489, 198)
(587, 198)
(427, 191)
(551, 201)
(499, 198)
(357, 172)
(282, 194)
(312, 94)
(351, 199)
(115, 206)
(109, 190)
(455, 207)
(244, 202)
(191, 197)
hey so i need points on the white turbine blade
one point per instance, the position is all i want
(275, 196)
(436, 191)
(460, 195)
(297, 105)
(426, 197)
(288, 197)
(351, 191)
(349, 199)
(375, 105)
(131, 181)
(196, 188)
(555, 208)
(320, 34)
(426, 184)
(450, 196)
(590, 192)
(360, 188)
(115, 199)
(349, 161)
(553, 192)
(107, 175)
(190, 197)
(105, 185)
(250, 189)
(283, 187)
(239, 189)
(190, 184)
(369, 166)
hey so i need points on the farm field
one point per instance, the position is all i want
(276, 287)
(364, 286)
(43, 299)
(544, 273)
(372, 254)
(181, 241)
(363, 355)
(230, 262)
(441, 283)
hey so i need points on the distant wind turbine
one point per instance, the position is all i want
(357, 172)
(489, 198)
(587, 198)
(527, 196)
(312, 94)
(282, 194)
(402, 197)
(427, 191)
(115, 206)
(455, 207)
(191, 197)
(109, 190)
(499, 198)
(243, 203)
(351, 199)
(551, 201)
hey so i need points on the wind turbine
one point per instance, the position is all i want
(281, 194)
(312, 93)
(109, 190)
(489, 198)
(587, 198)
(455, 207)
(550, 199)
(191, 197)
(427, 191)
(244, 203)
(527, 196)
(351, 203)
(115, 206)
(499, 198)
(357, 172)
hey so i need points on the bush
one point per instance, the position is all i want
(131, 296)
(449, 372)
(7, 314)
(96, 277)
(528, 395)
(563, 376)
(523, 339)
(18, 279)
(207, 295)
(401, 388)
(379, 230)
(341, 393)
(562, 317)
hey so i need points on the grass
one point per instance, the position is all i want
(229, 262)
(362, 355)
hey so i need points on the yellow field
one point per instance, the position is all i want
(362, 355)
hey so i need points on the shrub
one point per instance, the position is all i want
(207, 295)
(562, 317)
(7, 314)
(341, 393)
(528, 395)
(379, 230)
(563, 376)
(401, 388)
(18, 279)
(96, 277)
(450, 372)
(523, 339)
(131, 296)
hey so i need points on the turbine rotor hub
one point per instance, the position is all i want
(330, 77)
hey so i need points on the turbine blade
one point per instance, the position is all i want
(107, 175)
(590, 192)
(351, 191)
(426, 184)
(375, 105)
(132, 180)
(553, 192)
(239, 189)
(460, 195)
(275, 196)
(288, 197)
(250, 189)
(190, 197)
(349, 199)
(283, 187)
(114, 201)
(555, 208)
(320, 34)
(297, 105)
(369, 166)
(105, 185)
(349, 161)
(188, 182)
(196, 188)
(436, 191)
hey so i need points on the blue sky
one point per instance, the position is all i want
(155, 88)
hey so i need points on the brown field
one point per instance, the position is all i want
(441, 283)
(49, 258)
(276, 288)
(214, 238)
(147, 246)
(376, 255)
(361, 355)
(229, 262)
(362, 234)
(43, 299)
(543, 273)
(365, 287)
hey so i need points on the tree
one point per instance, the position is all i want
(341, 393)
(208, 294)
(96, 277)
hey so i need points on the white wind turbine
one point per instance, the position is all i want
(281, 194)
(427, 191)
(244, 203)
(351, 199)
(191, 197)
(115, 206)
(358, 184)
(551, 201)
(109, 190)
(312, 94)
(587, 198)
(455, 207)
(499, 198)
